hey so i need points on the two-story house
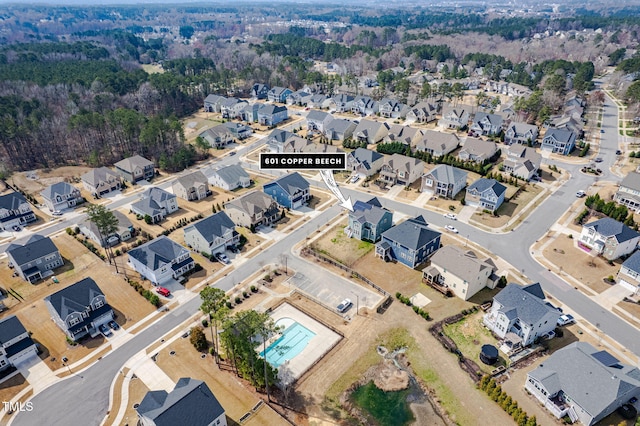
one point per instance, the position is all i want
(559, 141)
(253, 209)
(290, 191)
(363, 105)
(477, 150)
(191, 402)
(212, 234)
(212, 103)
(230, 177)
(486, 124)
(423, 112)
(410, 242)
(15, 211)
(271, 115)
(250, 112)
(364, 162)
(136, 168)
(278, 94)
(338, 103)
(444, 181)
(401, 170)
(406, 135)
(80, 309)
(629, 273)
(436, 143)
(161, 260)
(35, 258)
(370, 131)
(368, 220)
(124, 231)
(238, 131)
(16, 345)
(156, 203)
(522, 161)
(609, 238)
(60, 196)
(339, 129)
(298, 98)
(317, 121)
(218, 136)
(391, 108)
(487, 194)
(316, 101)
(232, 108)
(259, 91)
(454, 117)
(101, 181)
(521, 133)
(460, 272)
(191, 187)
(628, 193)
(519, 315)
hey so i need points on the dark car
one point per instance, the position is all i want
(598, 160)
(618, 152)
(114, 325)
(17, 228)
(104, 330)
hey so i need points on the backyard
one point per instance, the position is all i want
(337, 245)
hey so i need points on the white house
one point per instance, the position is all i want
(161, 260)
(609, 238)
(230, 177)
(212, 234)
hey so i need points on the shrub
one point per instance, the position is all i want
(198, 339)
(238, 300)
(205, 323)
(229, 305)
(254, 289)
(245, 294)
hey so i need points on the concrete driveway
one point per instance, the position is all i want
(37, 373)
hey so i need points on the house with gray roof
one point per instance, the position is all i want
(629, 273)
(298, 98)
(290, 191)
(161, 260)
(212, 234)
(454, 117)
(401, 170)
(318, 120)
(230, 177)
(364, 162)
(609, 238)
(368, 220)
(520, 314)
(423, 112)
(364, 105)
(15, 211)
(522, 161)
(156, 203)
(628, 193)
(60, 196)
(232, 108)
(278, 138)
(253, 209)
(250, 112)
(583, 383)
(392, 108)
(279, 94)
(259, 91)
(218, 136)
(316, 101)
(436, 143)
(16, 345)
(370, 131)
(238, 130)
(271, 115)
(487, 194)
(212, 103)
(34, 258)
(457, 271)
(101, 181)
(485, 124)
(339, 103)
(477, 150)
(191, 187)
(191, 402)
(559, 141)
(410, 242)
(339, 129)
(80, 309)
(444, 181)
(135, 168)
(521, 133)
(406, 135)
(124, 231)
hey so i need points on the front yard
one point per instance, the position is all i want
(508, 209)
(337, 245)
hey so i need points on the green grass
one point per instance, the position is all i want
(387, 408)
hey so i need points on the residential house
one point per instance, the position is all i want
(488, 194)
(135, 168)
(290, 191)
(609, 238)
(279, 94)
(316, 101)
(271, 115)
(191, 187)
(318, 121)
(124, 231)
(259, 91)
(280, 141)
(155, 203)
(339, 129)
(339, 103)
(423, 112)
(401, 170)
(521, 133)
(458, 271)
(410, 242)
(486, 124)
(212, 234)
(161, 260)
(191, 402)
(213, 103)
(406, 135)
(35, 258)
(60, 196)
(477, 150)
(15, 211)
(569, 123)
(230, 177)
(583, 383)
(363, 105)
(250, 112)
(519, 315)
(454, 117)
(444, 181)
(80, 309)
(436, 143)
(218, 136)
(559, 141)
(232, 108)
(522, 161)
(253, 209)
(238, 130)
(628, 193)
(629, 273)
(298, 98)
(391, 108)
(370, 131)
(368, 220)
(101, 181)
(16, 345)
(364, 162)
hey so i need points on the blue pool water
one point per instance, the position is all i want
(293, 340)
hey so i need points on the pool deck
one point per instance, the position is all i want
(318, 345)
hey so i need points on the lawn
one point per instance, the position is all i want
(337, 245)
(510, 208)
(11, 387)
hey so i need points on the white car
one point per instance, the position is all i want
(580, 194)
(57, 213)
(355, 178)
(566, 319)
(450, 216)
(344, 305)
(451, 229)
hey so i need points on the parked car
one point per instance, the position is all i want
(344, 305)
(580, 194)
(601, 130)
(114, 325)
(618, 152)
(548, 336)
(355, 178)
(598, 160)
(17, 228)
(57, 213)
(163, 291)
(232, 153)
(451, 229)
(104, 330)
(222, 258)
(566, 319)
(450, 216)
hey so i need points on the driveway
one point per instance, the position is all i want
(37, 373)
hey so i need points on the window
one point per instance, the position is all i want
(99, 304)
(73, 321)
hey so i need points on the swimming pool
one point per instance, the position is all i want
(294, 339)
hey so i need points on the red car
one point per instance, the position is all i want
(163, 291)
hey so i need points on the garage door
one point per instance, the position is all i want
(628, 286)
(23, 356)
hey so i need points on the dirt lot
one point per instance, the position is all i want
(11, 387)
(33, 182)
(336, 244)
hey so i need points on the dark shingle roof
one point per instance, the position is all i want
(59, 188)
(291, 182)
(448, 174)
(631, 181)
(527, 301)
(10, 328)
(366, 156)
(74, 298)
(213, 226)
(608, 227)
(270, 109)
(35, 247)
(633, 262)
(254, 202)
(483, 184)
(560, 135)
(11, 201)
(412, 233)
(368, 212)
(129, 164)
(232, 173)
(158, 252)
